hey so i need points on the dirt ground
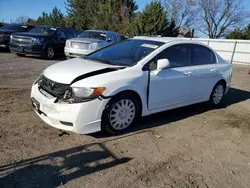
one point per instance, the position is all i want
(194, 146)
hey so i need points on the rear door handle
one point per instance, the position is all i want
(188, 73)
(214, 70)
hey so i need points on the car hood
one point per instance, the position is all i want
(87, 40)
(73, 70)
(27, 34)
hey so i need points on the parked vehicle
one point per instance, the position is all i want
(7, 30)
(110, 88)
(125, 37)
(90, 41)
(45, 41)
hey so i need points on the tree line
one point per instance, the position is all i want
(214, 18)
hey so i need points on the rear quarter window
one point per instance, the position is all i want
(202, 55)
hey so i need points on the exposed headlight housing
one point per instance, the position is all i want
(37, 40)
(81, 94)
(38, 78)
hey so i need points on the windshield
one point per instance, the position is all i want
(93, 35)
(125, 53)
(43, 30)
(14, 27)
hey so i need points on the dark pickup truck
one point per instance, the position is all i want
(44, 41)
(7, 30)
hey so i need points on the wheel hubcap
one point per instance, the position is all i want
(218, 94)
(50, 52)
(122, 114)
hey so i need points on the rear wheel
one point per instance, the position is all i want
(217, 94)
(120, 114)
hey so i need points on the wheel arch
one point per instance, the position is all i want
(131, 92)
(222, 81)
(104, 125)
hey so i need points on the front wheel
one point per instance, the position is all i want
(120, 114)
(20, 55)
(217, 94)
(49, 53)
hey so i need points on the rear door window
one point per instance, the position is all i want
(202, 55)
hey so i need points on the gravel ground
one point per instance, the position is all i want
(194, 146)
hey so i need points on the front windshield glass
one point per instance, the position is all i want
(43, 30)
(125, 53)
(14, 27)
(93, 35)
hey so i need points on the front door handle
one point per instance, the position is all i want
(214, 70)
(188, 73)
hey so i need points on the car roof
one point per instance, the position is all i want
(55, 27)
(102, 31)
(169, 39)
(18, 24)
(48, 26)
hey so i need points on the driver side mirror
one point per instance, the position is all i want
(162, 64)
(109, 40)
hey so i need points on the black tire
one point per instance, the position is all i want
(212, 100)
(47, 52)
(106, 123)
(20, 55)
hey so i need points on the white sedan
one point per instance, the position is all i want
(110, 88)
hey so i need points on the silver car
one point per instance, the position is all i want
(89, 41)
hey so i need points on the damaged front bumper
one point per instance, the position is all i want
(81, 118)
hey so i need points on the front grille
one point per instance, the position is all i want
(21, 41)
(53, 88)
(82, 45)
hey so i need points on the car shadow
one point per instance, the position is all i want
(55, 169)
(163, 118)
(6, 50)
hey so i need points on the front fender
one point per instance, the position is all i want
(141, 91)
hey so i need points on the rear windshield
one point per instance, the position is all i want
(44, 30)
(93, 35)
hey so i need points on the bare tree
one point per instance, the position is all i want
(218, 17)
(21, 19)
(183, 12)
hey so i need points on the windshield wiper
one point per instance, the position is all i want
(101, 60)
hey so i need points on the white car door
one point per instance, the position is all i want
(172, 86)
(207, 72)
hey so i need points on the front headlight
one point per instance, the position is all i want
(7, 36)
(10, 38)
(81, 94)
(67, 43)
(94, 46)
(37, 40)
